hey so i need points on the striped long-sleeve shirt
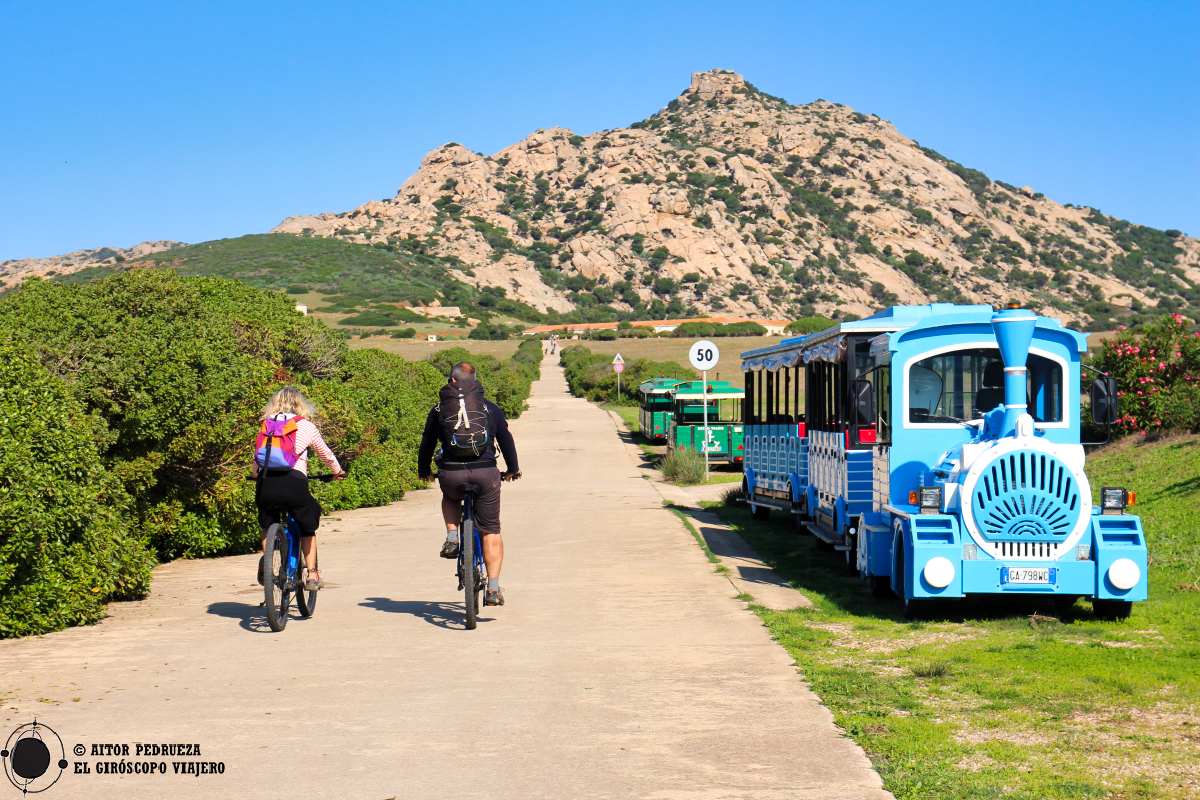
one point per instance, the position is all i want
(309, 436)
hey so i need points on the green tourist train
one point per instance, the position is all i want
(654, 400)
(722, 439)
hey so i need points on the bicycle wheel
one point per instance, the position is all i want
(275, 583)
(306, 600)
(466, 566)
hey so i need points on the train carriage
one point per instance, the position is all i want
(939, 449)
(655, 407)
(722, 439)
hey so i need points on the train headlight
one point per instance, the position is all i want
(927, 498)
(939, 572)
(1124, 573)
(1114, 499)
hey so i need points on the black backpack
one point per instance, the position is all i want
(464, 419)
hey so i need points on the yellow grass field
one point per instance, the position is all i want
(657, 349)
(415, 350)
(664, 349)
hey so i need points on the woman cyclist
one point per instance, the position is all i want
(281, 454)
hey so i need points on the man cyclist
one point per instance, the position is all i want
(468, 427)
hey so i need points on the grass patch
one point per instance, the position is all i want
(1009, 699)
(708, 553)
(683, 467)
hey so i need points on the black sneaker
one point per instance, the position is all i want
(493, 597)
(260, 570)
(450, 549)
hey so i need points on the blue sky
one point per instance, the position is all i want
(121, 122)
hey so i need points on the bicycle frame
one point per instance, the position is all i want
(293, 539)
(468, 514)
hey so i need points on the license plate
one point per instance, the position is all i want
(1027, 574)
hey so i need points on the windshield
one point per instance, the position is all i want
(965, 384)
(724, 410)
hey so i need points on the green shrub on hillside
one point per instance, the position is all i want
(809, 325)
(491, 331)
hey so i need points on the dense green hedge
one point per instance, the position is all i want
(590, 375)
(698, 330)
(127, 411)
(65, 545)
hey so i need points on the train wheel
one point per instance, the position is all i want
(1111, 609)
(881, 586)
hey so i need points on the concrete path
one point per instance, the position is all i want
(747, 573)
(621, 668)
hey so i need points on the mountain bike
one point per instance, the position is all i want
(283, 565)
(471, 572)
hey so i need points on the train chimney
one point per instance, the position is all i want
(1014, 332)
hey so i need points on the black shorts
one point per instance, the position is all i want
(485, 483)
(288, 492)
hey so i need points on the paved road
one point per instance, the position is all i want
(621, 668)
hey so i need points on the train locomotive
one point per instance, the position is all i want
(939, 450)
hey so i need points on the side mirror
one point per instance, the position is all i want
(863, 393)
(1104, 400)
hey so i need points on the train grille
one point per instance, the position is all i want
(1028, 502)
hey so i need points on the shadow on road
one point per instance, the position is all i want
(649, 459)
(251, 617)
(443, 615)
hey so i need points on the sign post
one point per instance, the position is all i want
(618, 365)
(704, 355)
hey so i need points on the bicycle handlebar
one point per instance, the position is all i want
(326, 478)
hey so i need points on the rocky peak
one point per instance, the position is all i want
(732, 200)
(717, 83)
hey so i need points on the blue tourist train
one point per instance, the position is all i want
(939, 450)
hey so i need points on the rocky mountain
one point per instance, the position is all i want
(16, 270)
(732, 200)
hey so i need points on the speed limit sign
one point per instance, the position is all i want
(704, 355)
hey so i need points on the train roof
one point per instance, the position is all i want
(657, 385)
(717, 390)
(891, 320)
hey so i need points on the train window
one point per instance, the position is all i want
(883, 402)
(965, 384)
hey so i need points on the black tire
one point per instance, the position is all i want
(306, 601)
(467, 573)
(1064, 605)
(275, 583)
(881, 586)
(1112, 609)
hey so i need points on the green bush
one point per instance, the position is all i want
(1157, 368)
(65, 547)
(491, 331)
(590, 375)
(157, 382)
(684, 467)
(809, 325)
